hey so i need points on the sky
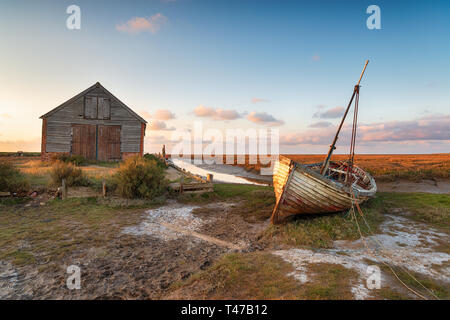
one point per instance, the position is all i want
(285, 65)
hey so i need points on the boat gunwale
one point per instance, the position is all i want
(360, 192)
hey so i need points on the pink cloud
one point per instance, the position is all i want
(258, 100)
(157, 125)
(429, 128)
(139, 24)
(264, 118)
(160, 114)
(216, 114)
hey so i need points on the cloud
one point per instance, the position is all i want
(139, 24)
(264, 118)
(258, 100)
(316, 58)
(428, 128)
(434, 127)
(160, 114)
(332, 113)
(6, 116)
(321, 124)
(157, 125)
(216, 114)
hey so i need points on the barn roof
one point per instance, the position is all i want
(96, 85)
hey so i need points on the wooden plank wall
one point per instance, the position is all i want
(59, 124)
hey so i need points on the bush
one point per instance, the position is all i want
(140, 178)
(159, 161)
(74, 176)
(74, 159)
(11, 179)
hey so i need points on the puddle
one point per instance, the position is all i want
(407, 243)
(218, 176)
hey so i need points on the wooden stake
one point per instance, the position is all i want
(104, 188)
(64, 189)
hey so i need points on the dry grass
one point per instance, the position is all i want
(391, 167)
(261, 275)
(385, 167)
(38, 172)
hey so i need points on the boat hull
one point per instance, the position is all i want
(300, 190)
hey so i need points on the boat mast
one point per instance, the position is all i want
(333, 145)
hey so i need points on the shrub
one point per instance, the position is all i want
(74, 176)
(11, 179)
(74, 159)
(159, 161)
(140, 178)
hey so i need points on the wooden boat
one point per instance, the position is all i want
(302, 189)
(324, 187)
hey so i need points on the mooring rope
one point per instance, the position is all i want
(386, 256)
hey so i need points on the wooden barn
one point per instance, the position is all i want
(93, 124)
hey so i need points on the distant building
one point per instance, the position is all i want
(93, 124)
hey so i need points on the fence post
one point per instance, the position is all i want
(103, 188)
(209, 177)
(181, 184)
(64, 189)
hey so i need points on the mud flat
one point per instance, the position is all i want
(402, 242)
(428, 186)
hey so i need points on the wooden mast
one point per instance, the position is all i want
(333, 145)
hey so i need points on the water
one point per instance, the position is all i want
(221, 177)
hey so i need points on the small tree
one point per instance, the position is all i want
(140, 178)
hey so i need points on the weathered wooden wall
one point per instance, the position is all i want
(59, 124)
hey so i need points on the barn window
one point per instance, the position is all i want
(97, 107)
(104, 108)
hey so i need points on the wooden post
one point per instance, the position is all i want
(104, 188)
(64, 189)
(209, 177)
(181, 184)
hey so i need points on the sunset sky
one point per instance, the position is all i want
(289, 65)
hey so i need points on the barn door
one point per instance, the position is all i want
(108, 143)
(83, 140)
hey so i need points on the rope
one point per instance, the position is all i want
(381, 245)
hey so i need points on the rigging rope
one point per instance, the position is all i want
(354, 202)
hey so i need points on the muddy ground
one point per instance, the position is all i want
(141, 261)
(145, 253)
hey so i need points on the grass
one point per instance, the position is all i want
(439, 290)
(254, 203)
(35, 234)
(261, 275)
(424, 207)
(319, 231)
(225, 191)
(414, 167)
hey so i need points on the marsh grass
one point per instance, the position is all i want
(36, 234)
(429, 208)
(261, 275)
(319, 231)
